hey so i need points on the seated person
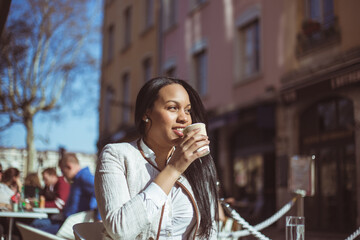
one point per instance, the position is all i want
(82, 192)
(9, 185)
(81, 197)
(56, 189)
(32, 186)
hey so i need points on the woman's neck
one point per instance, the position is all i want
(162, 153)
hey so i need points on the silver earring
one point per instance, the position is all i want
(147, 120)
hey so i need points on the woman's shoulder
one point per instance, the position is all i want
(120, 146)
(123, 156)
(4, 189)
(121, 150)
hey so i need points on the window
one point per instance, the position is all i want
(110, 43)
(149, 9)
(127, 26)
(249, 181)
(126, 98)
(197, 3)
(201, 72)
(171, 72)
(320, 11)
(326, 116)
(107, 108)
(147, 69)
(169, 68)
(250, 49)
(200, 1)
(170, 7)
(319, 28)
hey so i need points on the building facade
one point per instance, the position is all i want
(319, 107)
(129, 58)
(278, 78)
(225, 49)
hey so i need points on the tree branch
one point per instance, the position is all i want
(7, 125)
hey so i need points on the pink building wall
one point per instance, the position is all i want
(215, 23)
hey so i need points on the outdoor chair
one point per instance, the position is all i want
(88, 231)
(66, 230)
(30, 233)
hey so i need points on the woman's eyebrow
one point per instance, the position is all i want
(174, 101)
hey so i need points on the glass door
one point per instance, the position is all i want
(326, 130)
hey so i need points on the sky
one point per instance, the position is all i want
(74, 133)
(76, 127)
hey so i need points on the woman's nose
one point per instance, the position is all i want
(183, 117)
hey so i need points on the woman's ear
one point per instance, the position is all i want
(145, 118)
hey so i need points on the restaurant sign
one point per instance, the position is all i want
(321, 84)
(302, 175)
(346, 79)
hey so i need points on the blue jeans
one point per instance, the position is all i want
(47, 225)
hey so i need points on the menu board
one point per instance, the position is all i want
(302, 174)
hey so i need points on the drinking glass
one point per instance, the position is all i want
(295, 228)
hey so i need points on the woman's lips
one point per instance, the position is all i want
(179, 132)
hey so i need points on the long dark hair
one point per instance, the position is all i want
(200, 174)
(8, 177)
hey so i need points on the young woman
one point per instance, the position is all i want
(157, 187)
(32, 185)
(9, 185)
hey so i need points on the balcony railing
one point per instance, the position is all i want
(315, 35)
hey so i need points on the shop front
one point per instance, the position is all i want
(321, 117)
(250, 160)
(326, 131)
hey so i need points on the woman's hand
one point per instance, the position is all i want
(18, 184)
(185, 153)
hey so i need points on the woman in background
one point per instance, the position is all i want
(158, 186)
(32, 186)
(10, 184)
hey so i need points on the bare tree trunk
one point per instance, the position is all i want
(30, 146)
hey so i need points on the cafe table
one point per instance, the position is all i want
(46, 210)
(26, 214)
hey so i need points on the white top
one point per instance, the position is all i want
(178, 219)
(5, 194)
(122, 175)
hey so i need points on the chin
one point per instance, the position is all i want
(175, 140)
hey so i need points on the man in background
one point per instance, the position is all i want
(56, 189)
(82, 192)
(81, 197)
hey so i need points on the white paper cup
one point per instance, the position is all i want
(202, 131)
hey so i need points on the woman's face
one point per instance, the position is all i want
(16, 183)
(169, 115)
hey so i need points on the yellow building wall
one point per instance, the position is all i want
(143, 44)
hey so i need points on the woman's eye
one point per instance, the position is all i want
(188, 111)
(172, 108)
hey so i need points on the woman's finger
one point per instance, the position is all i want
(199, 144)
(190, 138)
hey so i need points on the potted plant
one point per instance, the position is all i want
(310, 27)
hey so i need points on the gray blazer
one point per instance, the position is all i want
(122, 209)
